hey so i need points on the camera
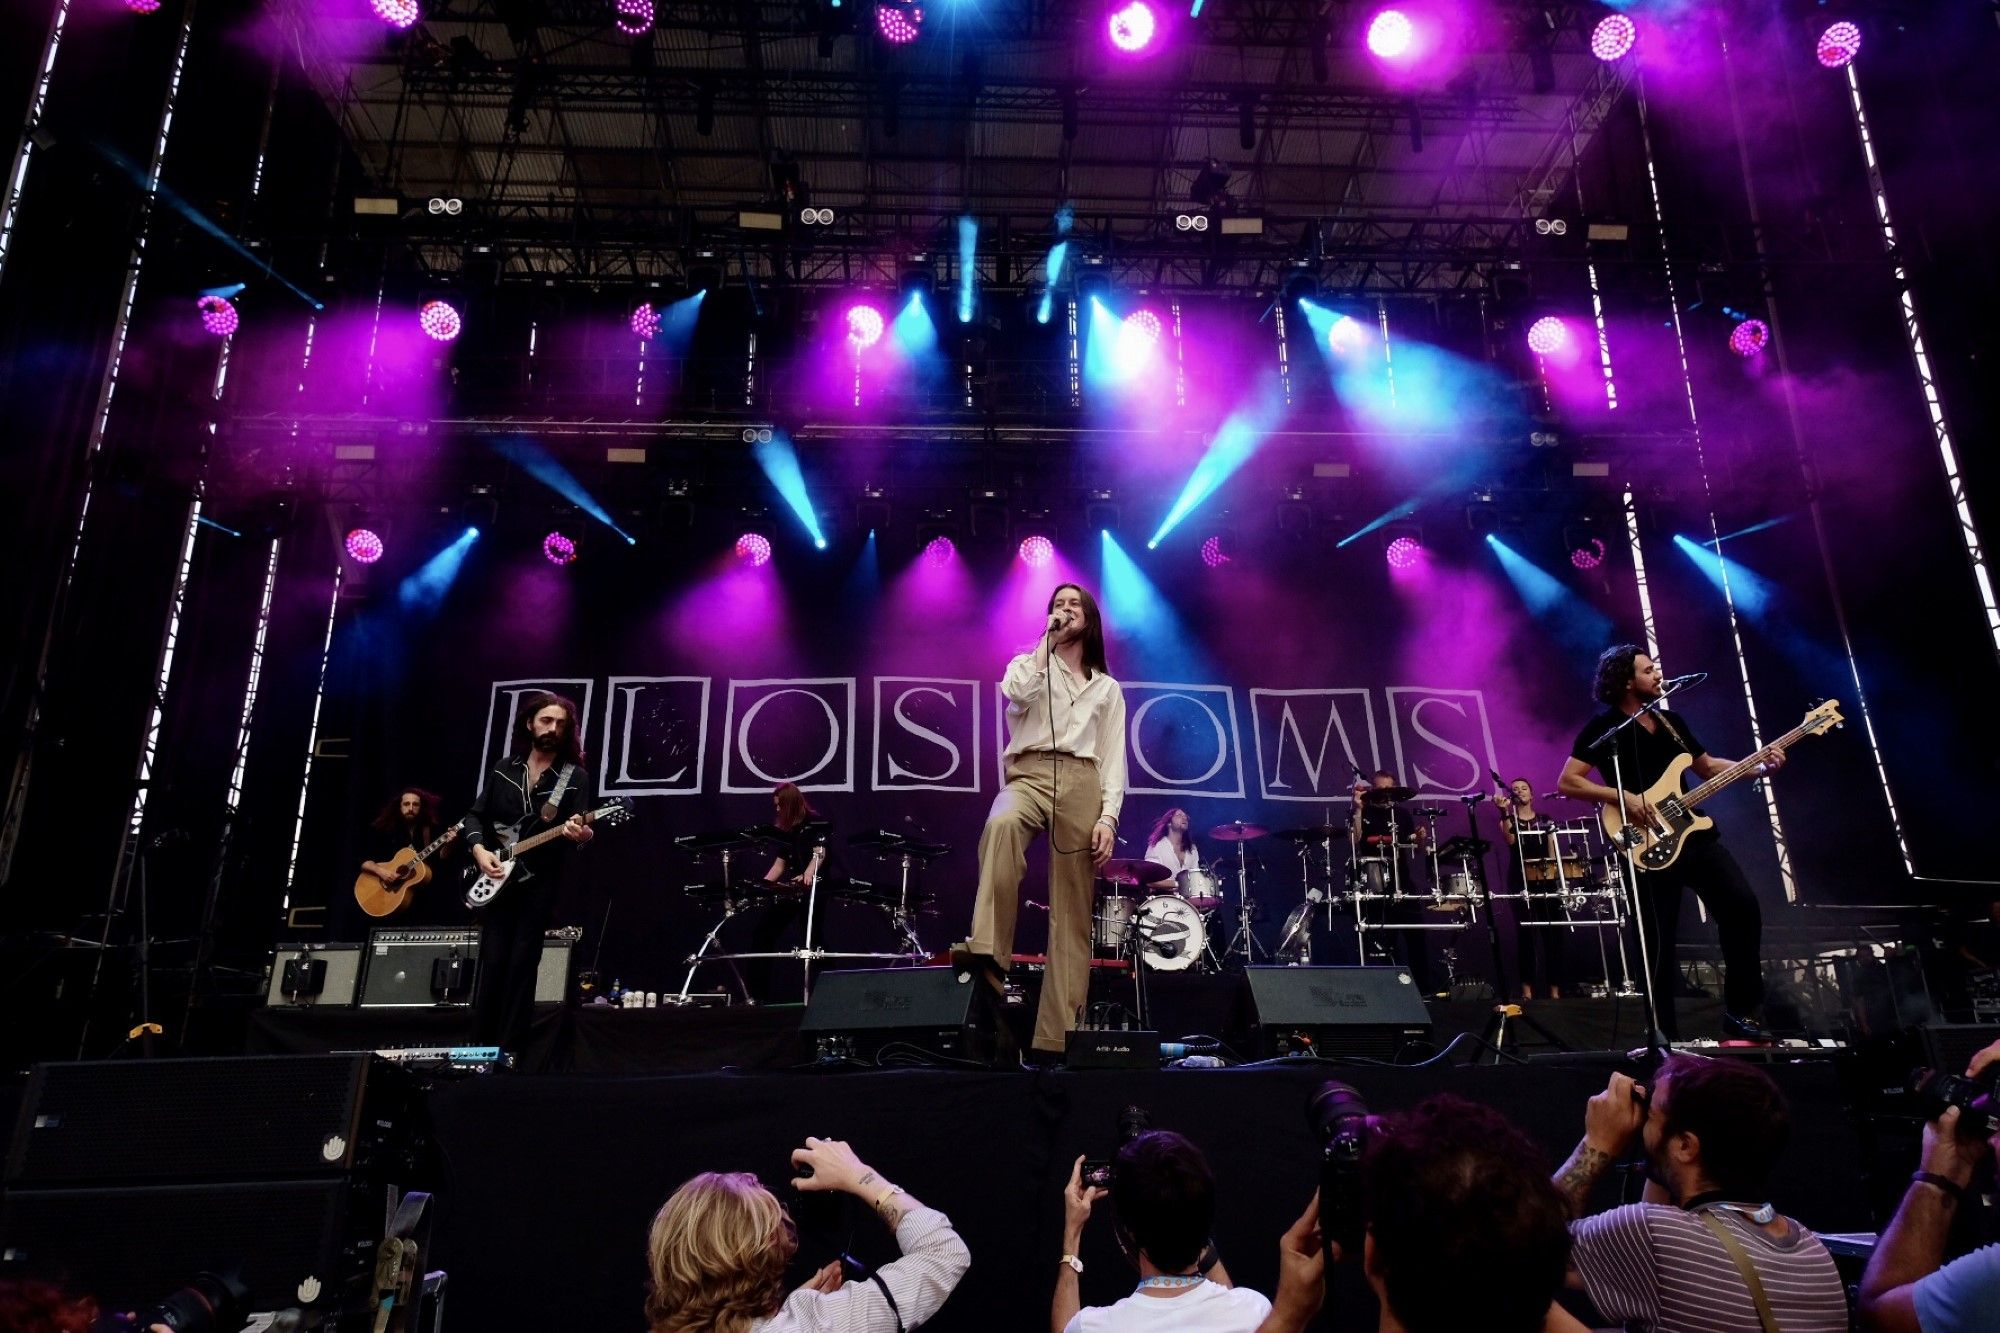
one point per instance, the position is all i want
(1344, 1126)
(212, 1303)
(1132, 1122)
(1977, 1100)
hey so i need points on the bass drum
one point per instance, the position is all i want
(1171, 933)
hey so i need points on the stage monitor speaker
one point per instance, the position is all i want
(1366, 1011)
(859, 1012)
(1951, 1046)
(313, 976)
(305, 1243)
(256, 1117)
(403, 971)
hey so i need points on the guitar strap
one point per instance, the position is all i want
(1673, 730)
(553, 806)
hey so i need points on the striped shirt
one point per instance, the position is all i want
(1661, 1270)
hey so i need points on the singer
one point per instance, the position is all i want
(1627, 681)
(1065, 773)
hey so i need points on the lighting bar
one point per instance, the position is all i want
(256, 677)
(312, 739)
(10, 203)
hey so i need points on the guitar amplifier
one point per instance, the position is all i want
(420, 969)
(558, 966)
(313, 976)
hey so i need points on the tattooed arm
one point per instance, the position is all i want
(1611, 1120)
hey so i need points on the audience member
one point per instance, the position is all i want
(1163, 1198)
(719, 1248)
(1705, 1252)
(1904, 1289)
(1463, 1230)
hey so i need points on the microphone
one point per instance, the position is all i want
(1058, 620)
(1693, 678)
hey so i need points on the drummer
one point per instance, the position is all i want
(1172, 845)
(1531, 871)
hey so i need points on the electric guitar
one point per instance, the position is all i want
(484, 887)
(386, 895)
(1658, 845)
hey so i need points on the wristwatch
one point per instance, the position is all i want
(1076, 1264)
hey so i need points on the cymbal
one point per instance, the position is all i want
(1389, 795)
(1464, 846)
(1237, 831)
(1318, 833)
(1133, 870)
(890, 843)
(710, 842)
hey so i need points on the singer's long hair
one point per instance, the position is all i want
(1614, 672)
(1093, 628)
(524, 738)
(1164, 822)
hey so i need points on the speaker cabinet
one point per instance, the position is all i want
(420, 969)
(925, 1006)
(313, 976)
(1368, 1011)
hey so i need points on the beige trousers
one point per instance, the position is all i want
(1021, 811)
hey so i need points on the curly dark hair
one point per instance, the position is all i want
(389, 819)
(1736, 1113)
(1614, 672)
(524, 738)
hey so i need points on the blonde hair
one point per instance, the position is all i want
(717, 1255)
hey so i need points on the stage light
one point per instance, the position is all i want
(217, 315)
(440, 320)
(558, 549)
(635, 17)
(1839, 44)
(864, 325)
(646, 321)
(1547, 335)
(940, 550)
(1133, 27)
(899, 24)
(143, 6)
(396, 13)
(1403, 552)
(1749, 337)
(1390, 34)
(816, 217)
(1036, 551)
(1587, 552)
(363, 546)
(1212, 553)
(1347, 336)
(754, 547)
(1138, 335)
(1613, 36)
(440, 206)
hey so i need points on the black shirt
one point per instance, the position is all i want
(504, 801)
(383, 846)
(1645, 754)
(795, 848)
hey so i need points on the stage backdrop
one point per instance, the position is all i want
(1254, 692)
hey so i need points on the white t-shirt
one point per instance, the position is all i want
(1207, 1308)
(1162, 853)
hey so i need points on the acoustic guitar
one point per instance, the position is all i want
(408, 868)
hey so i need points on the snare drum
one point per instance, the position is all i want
(1171, 933)
(1371, 875)
(1112, 922)
(1201, 888)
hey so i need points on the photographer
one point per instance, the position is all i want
(1164, 1196)
(1460, 1229)
(1904, 1289)
(1704, 1251)
(718, 1250)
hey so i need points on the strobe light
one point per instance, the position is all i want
(218, 316)
(440, 320)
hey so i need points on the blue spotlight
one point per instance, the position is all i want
(1575, 623)
(1235, 440)
(1057, 255)
(208, 522)
(968, 237)
(1750, 591)
(1381, 520)
(1147, 620)
(423, 591)
(912, 332)
(677, 321)
(781, 464)
(543, 466)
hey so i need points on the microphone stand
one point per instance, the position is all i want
(1504, 1010)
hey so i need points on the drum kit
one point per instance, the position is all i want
(1571, 878)
(735, 894)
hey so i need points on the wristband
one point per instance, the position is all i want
(883, 1197)
(1951, 1188)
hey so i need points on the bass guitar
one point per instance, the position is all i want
(484, 887)
(386, 895)
(1658, 845)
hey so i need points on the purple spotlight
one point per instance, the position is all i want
(1587, 554)
(1613, 37)
(558, 549)
(396, 13)
(1390, 34)
(440, 320)
(1547, 335)
(754, 547)
(864, 325)
(1212, 554)
(1037, 551)
(635, 17)
(217, 315)
(1143, 325)
(899, 24)
(1749, 337)
(646, 321)
(1839, 44)
(1404, 552)
(940, 550)
(363, 546)
(143, 6)
(1133, 27)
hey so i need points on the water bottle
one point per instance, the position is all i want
(617, 992)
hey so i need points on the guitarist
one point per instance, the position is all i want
(411, 820)
(1628, 680)
(521, 793)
